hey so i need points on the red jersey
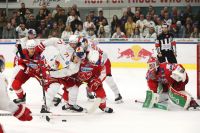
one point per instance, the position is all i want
(162, 75)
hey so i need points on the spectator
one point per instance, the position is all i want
(118, 33)
(123, 20)
(166, 19)
(91, 33)
(61, 15)
(40, 15)
(3, 20)
(106, 27)
(100, 19)
(195, 33)
(55, 11)
(20, 18)
(45, 10)
(147, 24)
(158, 27)
(88, 24)
(31, 23)
(72, 17)
(174, 13)
(151, 33)
(151, 11)
(101, 32)
(174, 28)
(9, 32)
(188, 30)
(49, 21)
(55, 31)
(61, 25)
(21, 31)
(137, 16)
(115, 23)
(141, 23)
(93, 17)
(80, 31)
(129, 26)
(13, 22)
(129, 12)
(181, 30)
(67, 32)
(75, 23)
(22, 10)
(42, 30)
(137, 33)
(75, 8)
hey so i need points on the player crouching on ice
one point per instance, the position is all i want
(171, 79)
(19, 111)
(93, 73)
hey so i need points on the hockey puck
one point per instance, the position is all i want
(64, 120)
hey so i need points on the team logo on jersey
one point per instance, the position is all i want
(86, 69)
(136, 53)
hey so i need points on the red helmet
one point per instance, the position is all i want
(153, 63)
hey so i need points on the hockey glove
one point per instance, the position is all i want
(94, 84)
(23, 113)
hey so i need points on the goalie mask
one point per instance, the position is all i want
(178, 74)
(153, 63)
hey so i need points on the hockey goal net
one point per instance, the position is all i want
(198, 71)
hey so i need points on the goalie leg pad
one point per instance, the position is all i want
(181, 98)
(151, 99)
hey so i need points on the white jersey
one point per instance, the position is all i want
(63, 55)
(5, 103)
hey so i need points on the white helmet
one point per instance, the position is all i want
(93, 56)
(73, 39)
(32, 31)
(30, 44)
(50, 55)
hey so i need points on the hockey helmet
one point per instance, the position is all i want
(30, 44)
(93, 56)
(80, 52)
(32, 32)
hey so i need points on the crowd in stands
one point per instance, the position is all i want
(63, 22)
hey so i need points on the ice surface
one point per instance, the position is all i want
(128, 117)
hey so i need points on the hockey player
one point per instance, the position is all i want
(90, 72)
(166, 46)
(21, 43)
(92, 45)
(27, 66)
(61, 68)
(170, 78)
(19, 111)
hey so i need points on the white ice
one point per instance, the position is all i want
(128, 117)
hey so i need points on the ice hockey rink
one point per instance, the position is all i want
(128, 117)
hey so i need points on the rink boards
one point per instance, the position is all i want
(128, 53)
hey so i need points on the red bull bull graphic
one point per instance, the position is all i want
(136, 53)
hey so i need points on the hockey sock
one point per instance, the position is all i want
(51, 92)
(181, 98)
(111, 83)
(73, 93)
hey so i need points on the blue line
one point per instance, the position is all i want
(6, 43)
(143, 42)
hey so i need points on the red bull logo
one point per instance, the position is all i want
(136, 53)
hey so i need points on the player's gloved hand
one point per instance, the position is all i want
(94, 84)
(23, 113)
